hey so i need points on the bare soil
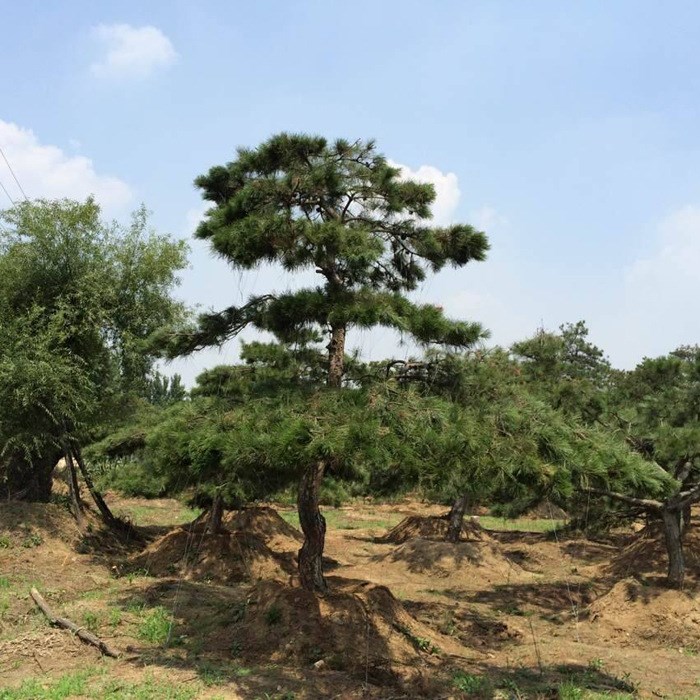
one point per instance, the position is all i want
(497, 615)
(432, 527)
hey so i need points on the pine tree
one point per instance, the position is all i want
(658, 407)
(342, 210)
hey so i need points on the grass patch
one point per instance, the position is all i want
(156, 514)
(474, 686)
(150, 689)
(339, 519)
(84, 685)
(155, 625)
(490, 522)
(273, 616)
(67, 686)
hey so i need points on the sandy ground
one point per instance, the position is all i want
(500, 614)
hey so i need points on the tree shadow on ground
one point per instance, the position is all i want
(438, 558)
(258, 637)
(589, 552)
(546, 599)
(472, 628)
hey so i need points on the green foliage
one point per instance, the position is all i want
(474, 686)
(155, 625)
(78, 298)
(459, 424)
(162, 390)
(341, 210)
(273, 616)
(128, 476)
(566, 370)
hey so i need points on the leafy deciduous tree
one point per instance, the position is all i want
(78, 298)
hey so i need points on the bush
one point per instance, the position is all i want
(127, 476)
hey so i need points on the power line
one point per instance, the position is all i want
(7, 193)
(21, 189)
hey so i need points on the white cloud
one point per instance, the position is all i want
(46, 171)
(194, 216)
(660, 289)
(675, 263)
(487, 218)
(131, 52)
(446, 190)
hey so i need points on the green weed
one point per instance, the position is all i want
(211, 674)
(67, 686)
(115, 617)
(91, 620)
(155, 626)
(273, 616)
(145, 690)
(34, 539)
(470, 684)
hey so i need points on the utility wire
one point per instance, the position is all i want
(21, 189)
(7, 193)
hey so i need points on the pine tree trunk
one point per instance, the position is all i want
(336, 356)
(313, 525)
(74, 489)
(456, 518)
(215, 515)
(106, 513)
(674, 547)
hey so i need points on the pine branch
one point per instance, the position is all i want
(646, 503)
(213, 328)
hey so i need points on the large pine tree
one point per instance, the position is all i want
(342, 210)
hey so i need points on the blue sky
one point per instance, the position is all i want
(568, 131)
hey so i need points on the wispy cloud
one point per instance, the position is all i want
(46, 171)
(661, 288)
(131, 53)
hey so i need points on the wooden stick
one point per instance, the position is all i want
(82, 633)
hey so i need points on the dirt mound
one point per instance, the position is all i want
(546, 511)
(267, 524)
(646, 554)
(226, 557)
(432, 528)
(448, 560)
(472, 628)
(660, 616)
(29, 524)
(358, 627)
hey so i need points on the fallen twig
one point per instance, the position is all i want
(63, 622)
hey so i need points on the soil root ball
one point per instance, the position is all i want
(651, 615)
(358, 627)
(432, 528)
(226, 557)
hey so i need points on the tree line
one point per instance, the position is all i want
(86, 308)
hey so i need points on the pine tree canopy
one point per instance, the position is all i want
(341, 210)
